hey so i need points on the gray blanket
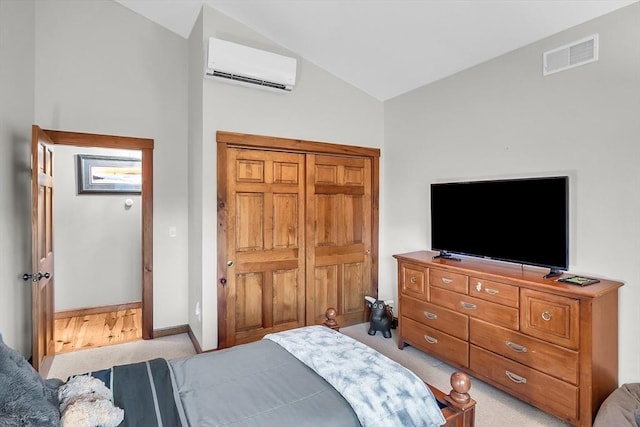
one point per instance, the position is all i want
(25, 398)
(257, 384)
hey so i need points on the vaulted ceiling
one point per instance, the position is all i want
(389, 47)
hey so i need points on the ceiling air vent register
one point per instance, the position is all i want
(572, 55)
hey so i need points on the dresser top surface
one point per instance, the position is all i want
(527, 276)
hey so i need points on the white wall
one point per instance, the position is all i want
(197, 265)
(100, 68)
(321, 108)
(98, 240)
(17, 48)
(504, 119)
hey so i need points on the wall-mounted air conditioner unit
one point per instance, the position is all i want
(235, 63)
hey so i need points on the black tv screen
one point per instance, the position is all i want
(517, 220)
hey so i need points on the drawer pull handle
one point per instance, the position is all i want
(516, 347)
(492, 291)
(516, 378)
(430, 316)
(430, 340)
(546, 316)
(413, 280)
(446, 280)
(468, 305)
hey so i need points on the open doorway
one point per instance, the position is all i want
(97, 220)
(144, 150)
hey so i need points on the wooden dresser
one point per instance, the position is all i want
(551, 344)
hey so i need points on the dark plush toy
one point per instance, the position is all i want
(381, 317)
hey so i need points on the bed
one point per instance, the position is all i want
(303, 377)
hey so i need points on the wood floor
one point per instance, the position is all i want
(97, 330)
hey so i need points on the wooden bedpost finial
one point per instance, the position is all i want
(460, 383)
(331, 314)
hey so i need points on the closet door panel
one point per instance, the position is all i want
(323, 291)
(285, 220)
(326, 225)
(286, 304)
(249, 297)
(249, 222)
(265, 289)
(338, 236)
(353, 296)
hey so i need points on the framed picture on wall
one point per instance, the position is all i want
(109, 174)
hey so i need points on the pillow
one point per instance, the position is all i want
(621, 408)
(25, 398)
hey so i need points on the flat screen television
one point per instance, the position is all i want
(524, 221)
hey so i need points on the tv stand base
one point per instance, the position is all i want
(447, 255)
(553, 273)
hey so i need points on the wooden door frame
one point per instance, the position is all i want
(227, 140)
(145, 145)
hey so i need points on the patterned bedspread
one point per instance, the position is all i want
(380, 391)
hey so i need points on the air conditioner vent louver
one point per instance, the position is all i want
(244, 79)
(248, 66)
(572, 55)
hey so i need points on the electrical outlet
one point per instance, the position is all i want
(198, 312)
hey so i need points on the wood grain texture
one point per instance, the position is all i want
(293, 145)
(80, 139)
(551, 344)
(97, 310)
(293, 212)
(338, 229)
(85, 331)
(265, 242)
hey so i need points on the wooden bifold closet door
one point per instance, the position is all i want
(338, 237)
(296, 233)
(265, 242)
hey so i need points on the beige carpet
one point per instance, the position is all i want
(494, 409)
(94, 359)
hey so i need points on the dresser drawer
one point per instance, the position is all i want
(494, 291)
(435, 342)
(451, 281)
(553, 318)
(413, 280)
(544, 391)
(497, 314)
(440, 318)
(553, 360)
